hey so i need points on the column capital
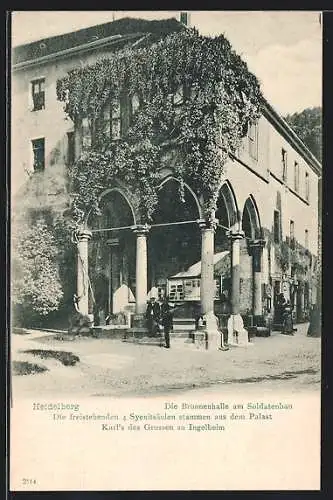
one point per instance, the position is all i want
(209, 223)
(235, 234)
(257, 243)
(83, 234)
(141, 229)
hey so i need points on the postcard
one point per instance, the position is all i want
(165, 250)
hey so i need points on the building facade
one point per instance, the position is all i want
(266, 219)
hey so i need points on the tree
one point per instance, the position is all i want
(36, 286)
(307, 125)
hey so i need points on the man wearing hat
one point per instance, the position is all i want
(153, 314)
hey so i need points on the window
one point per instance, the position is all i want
(252, 135)
(135, 103)
(86, 133)
(70, 148)
(38, 94)
(277, 226)
(115, 119)
(306, 239)
(106, 122)
(292, 234)
(284, 165)
(307, 186)
(38, 149)
(296, 176)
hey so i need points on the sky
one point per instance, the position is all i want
(282, 48)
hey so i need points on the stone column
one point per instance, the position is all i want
(141, 268)
(207, 266)
(113, 244)
(82, 270)
(237, 335)
(256, 247)
(214, 337)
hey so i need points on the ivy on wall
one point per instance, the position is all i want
(294, 258)
(221, 97)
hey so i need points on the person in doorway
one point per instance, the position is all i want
(153, 314)
(287, 328)
(167, 320)
(280, 305)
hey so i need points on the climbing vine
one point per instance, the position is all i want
(294, 257)
(220, 98)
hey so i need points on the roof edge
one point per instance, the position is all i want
(274, 117)
(73, 50)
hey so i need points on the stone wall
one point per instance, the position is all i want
(246, 279)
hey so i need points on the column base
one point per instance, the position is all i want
(213, 335)
(260, 326)
(237, 335)
(138, 328)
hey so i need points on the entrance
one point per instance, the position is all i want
(174, 241)
(112, 257)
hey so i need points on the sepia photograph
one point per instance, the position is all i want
(166, 205)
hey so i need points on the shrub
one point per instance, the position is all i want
(36, 286)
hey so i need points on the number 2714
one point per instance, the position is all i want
(27, 481)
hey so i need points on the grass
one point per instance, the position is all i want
(26, 368)
(65, 358)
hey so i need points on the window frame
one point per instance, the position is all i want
(253, 140)
(134, 106)
(277, 233)
(115, 118)
(284, 160)
(33, 83)
(307, 186)
(296, 176)
(34, 158)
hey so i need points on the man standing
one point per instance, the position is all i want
(167, 320)
(153, 314)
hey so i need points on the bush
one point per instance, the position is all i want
(36, 285)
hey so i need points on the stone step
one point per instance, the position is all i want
(184, 321)
(183, 327)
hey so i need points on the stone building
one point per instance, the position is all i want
(261, 241)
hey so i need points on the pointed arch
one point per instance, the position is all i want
(251, 224)
(227, 206)
(171, 178)
(124, 195)
(118, 197)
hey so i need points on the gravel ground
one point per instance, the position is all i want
(114, 368)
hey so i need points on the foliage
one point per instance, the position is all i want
(308, 126)
(221, 97)
(36, 285)
(43, 199)
(293, 257)
(282, 254)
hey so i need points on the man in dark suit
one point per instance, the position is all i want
(167, 320)
(153, 315)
